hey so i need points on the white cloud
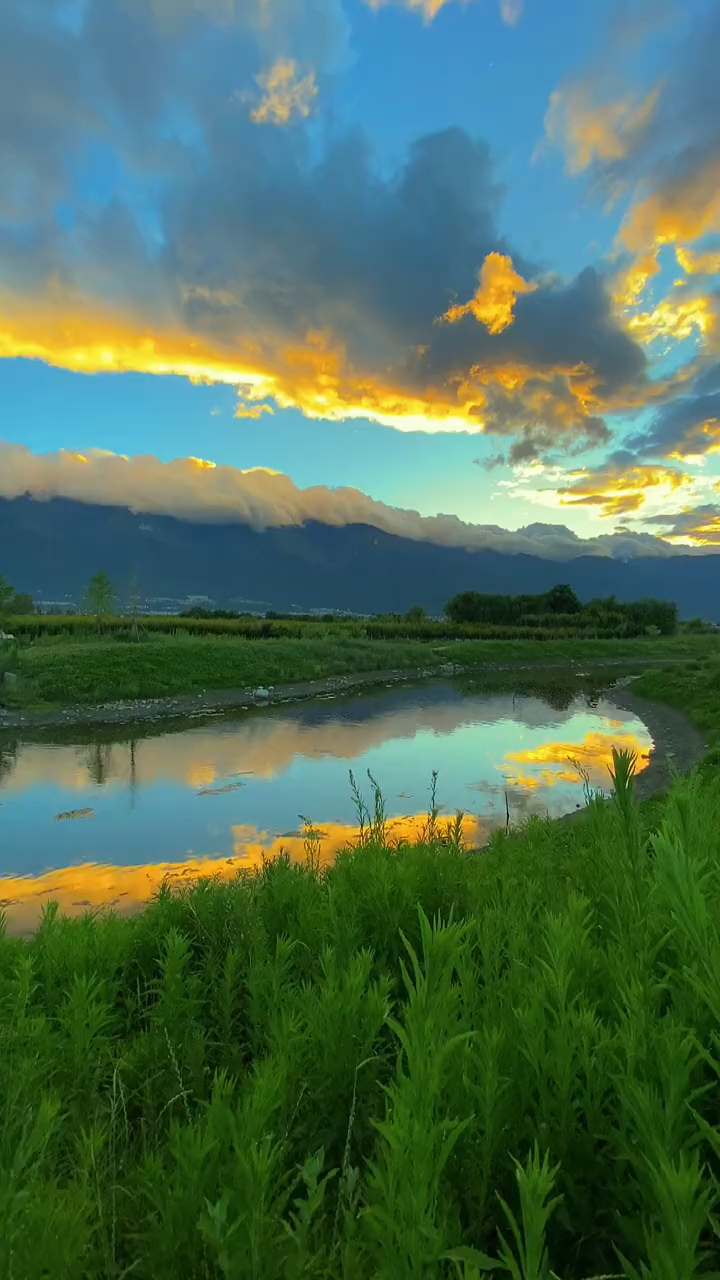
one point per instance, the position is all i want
(193, 489)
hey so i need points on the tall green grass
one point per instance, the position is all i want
(418, 1063)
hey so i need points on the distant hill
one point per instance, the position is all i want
(51, 548)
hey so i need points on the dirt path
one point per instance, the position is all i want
(143, 710)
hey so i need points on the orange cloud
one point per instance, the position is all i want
(254, 411)
(676, 318)
(683, 209)
(705, 262)
(620, 489)
(314, 377)
(316, 374)
(285, 94)
(499, 286)
(589, 131)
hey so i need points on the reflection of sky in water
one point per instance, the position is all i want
(237, 786)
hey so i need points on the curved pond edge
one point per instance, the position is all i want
(677, 744)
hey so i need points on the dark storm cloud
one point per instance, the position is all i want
(691, 425)
(190, 216)
(307, 245)
(565, 326)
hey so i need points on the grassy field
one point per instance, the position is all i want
(419, 1063)
(57, 671)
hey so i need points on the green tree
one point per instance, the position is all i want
(100, 595)
(415, 614)
(7, 595)
(22, 604)
(562, 599)
(465, 607)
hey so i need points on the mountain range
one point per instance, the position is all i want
(51, 548)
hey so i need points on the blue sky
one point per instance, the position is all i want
(353, 222)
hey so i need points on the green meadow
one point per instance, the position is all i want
(56, 670)
(420, 1062)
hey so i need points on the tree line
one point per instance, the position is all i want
(558, 609)
(561, 607)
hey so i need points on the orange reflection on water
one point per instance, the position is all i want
(593, 754)
(93, 885)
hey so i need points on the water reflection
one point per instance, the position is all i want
(225, 794)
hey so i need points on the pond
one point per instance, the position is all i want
(104, 818)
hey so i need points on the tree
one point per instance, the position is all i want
(415, 614)
(7, 595)
(134, 601)
(22, 604)
(100, 595)
(562, 599)
(465, 607)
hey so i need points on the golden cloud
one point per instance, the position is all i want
(618, 489)
(704, 262)
(286, 93)
(254, 411)
(589, 131)
(499, 286)
(682, 210)
(316, 374)
(676, 318)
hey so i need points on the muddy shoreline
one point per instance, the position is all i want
(677, 744)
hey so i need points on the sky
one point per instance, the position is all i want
(450, 267)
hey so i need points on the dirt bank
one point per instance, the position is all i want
(140, 710)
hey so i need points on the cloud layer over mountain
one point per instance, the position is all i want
(192, 489)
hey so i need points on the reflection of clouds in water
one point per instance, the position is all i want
(262, 745)
(593, 754)
(532, 765)
(249, 843)
(94, 885)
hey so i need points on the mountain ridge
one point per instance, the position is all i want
(52, 547)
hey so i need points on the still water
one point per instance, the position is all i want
(105, 820)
